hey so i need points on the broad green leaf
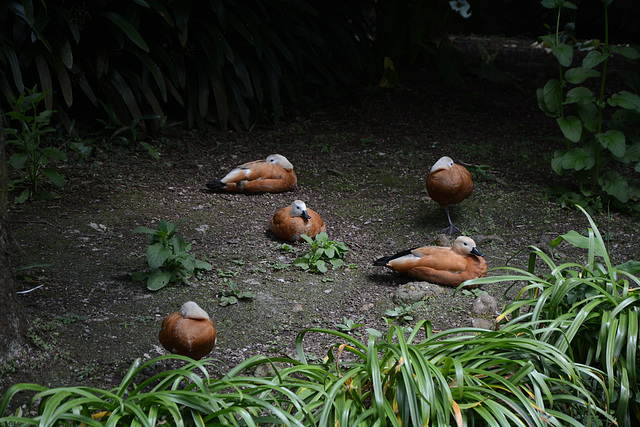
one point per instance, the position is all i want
(628, 52)
(632, 267)
(321, 266)
(18, 160)
(571, 127)
(56, 178)
(330, 252)
(593, 58)
(579, 94)
(564, 54)
(158, 279)
(54, 153)
(23, 197)
(552, 96)
(577, 159)
(614, 141)
(556, 162)
(146, 230)
(128, 29)
(157, 254)
(578, 75)
(588, 113)
(579, 241)
(615, 185)
(627, 100)
(203, 265)
(336, 262)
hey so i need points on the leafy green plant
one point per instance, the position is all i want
(594, 149)
(404, 313)
(322, 251)
(590, 311)
(168, 257)
(233, 295)
(349, 325)
(29, 155)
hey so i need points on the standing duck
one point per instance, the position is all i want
(449, 184)
(188, 332)
(273, 175)
(439, 264)
(292, 221)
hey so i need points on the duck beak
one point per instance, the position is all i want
(476, 252)
(305, 215)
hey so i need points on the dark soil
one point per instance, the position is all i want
(361, 165)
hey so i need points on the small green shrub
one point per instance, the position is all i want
(594, 148)
(233, 295)
(168, 257)
(29, 157)
(322, 252)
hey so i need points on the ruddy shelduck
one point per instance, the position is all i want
(449, 184)
(291, 222)
(189, 332)
(448, 266)
(273, 175)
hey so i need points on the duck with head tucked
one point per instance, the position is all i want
(290, 222)
(188, 332)
(273, 175)
(449, 184)
(450, 266)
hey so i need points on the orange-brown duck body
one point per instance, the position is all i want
(290, 222)
(273, 175)
(188, 332)
(448, 184)
(450, 266)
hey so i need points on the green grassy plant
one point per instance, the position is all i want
(594, 149)
(322, 252)
(29, 155)
(168, 257)
(457, 377)
(589, 311)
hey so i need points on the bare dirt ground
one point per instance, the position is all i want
(362, 165)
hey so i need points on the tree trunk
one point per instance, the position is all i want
(11, 331)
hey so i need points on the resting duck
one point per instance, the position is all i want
(290, 222)
(273, 175)
(189, 332)
(448, 184)
(438, 264)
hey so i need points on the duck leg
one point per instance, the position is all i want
(451, 229)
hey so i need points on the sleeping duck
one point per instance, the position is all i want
(448, 266)
(290, 222)
(273, 175)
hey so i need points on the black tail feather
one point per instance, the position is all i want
(216, 184)
(385, 259)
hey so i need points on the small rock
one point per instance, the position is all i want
(443, 240)
(482, 323)
(368, 306)
(484, 304)
(416, 291)
(297, 307)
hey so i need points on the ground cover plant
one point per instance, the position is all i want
(168, 257)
